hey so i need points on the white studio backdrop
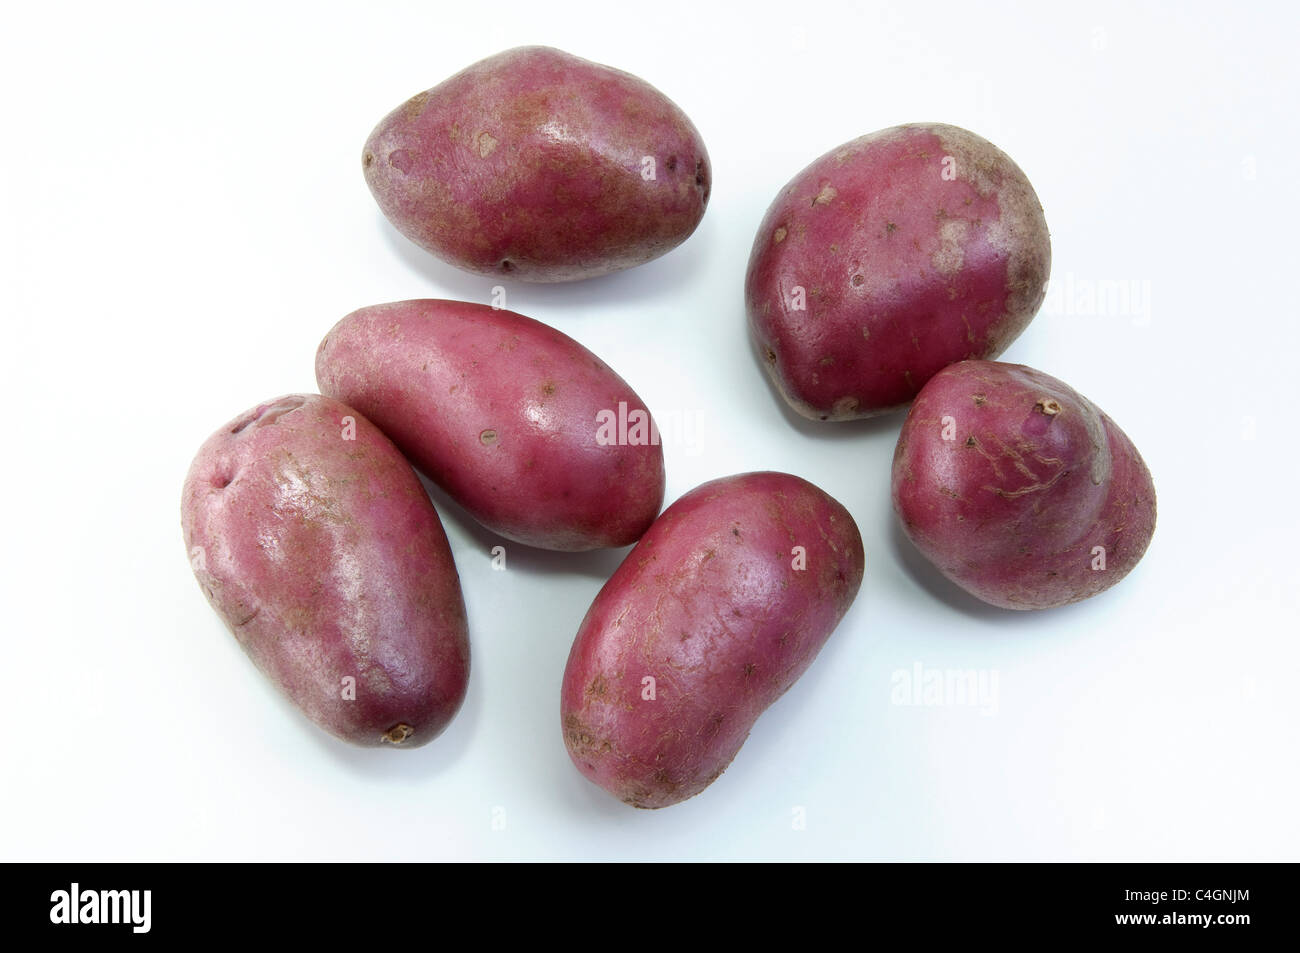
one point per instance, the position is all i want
(183, 217)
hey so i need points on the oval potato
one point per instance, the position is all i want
(888, 259)
(714, 614)
(314, 541)
(537, 165)
(536, 437)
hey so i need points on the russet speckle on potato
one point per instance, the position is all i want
(504, 413)
(538, 165)
(1018, 488)
(315, 542)
(715, 613)
(889, 258)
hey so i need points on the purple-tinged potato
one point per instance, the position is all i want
(1018, 488)
(888, 259)
(535, 164)
(721, 606)
(536, 437)
(315, 542)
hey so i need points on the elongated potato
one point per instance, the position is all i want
(888, 259)
(718, 610)
(314, 541)
(538, 165)
(533, 434)
(1018, 488)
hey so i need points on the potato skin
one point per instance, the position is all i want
(1034, 477)
(710, 606)
(503, 412)
(908, 263)
(326, 559)
(529, 164)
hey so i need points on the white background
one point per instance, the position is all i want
(183, 217)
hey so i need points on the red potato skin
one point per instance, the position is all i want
(709, 605)
(1034, 478)
(530, 165)
(326, 559)
(501, 411)
(908, 263)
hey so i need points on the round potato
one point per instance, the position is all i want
(537, 165)
(888, 259)
(723, 604)
(1018, 488)
(536, 437)
(314, 541)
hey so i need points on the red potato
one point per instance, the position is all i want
(1018, 488)
(888, 259)
(723, 604)
(314, 541)
(541, 166)
(508, 415)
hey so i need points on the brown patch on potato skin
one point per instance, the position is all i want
(716, 565)
(1037, 477)
(929, 271)
(323, 555)
(530, 163)
(399, 734)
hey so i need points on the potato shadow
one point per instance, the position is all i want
(680, 267)
(821, 429)
(427, 761)
(597, 563)
(943, 589)
(582, 798)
